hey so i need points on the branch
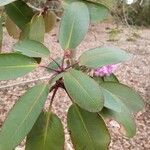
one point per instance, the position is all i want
(25, 82)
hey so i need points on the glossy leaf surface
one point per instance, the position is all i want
(35, 30)
(97, 12)
(74, 25)
(125, 95)
(31, 48)
(13, 65)
(22, 117)
(102, 56)
(46, 134)
(83, 90)
(21, 15)
(88, 130)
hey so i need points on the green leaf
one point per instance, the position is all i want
(111, 4)
(12, 28)
(101, 56)
(21, 15)
(50, 20)
(110, 100)
(125, 95)
(83, 90)
(13, 65)
(35, 30)
(46, 134)
(97, 12)
(74, 25)
(124, 117)
(88, 130)
(31, 48)
(22, 117)
(56, 78)
(54, 65)
(5, 2)
(111, 78)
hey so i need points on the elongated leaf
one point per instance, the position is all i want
(74, 25)
(124, 117)
(83, 90)
(102, 56)
(125, 95)
(22, 13)
(46, 134)
(23, 116)
(13, 65)
(31, 48)
(88, 130)
(97, 12)
(12, 28)
(50, 21)
(5, 2)
(35, 30)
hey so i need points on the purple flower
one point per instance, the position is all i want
(105, 70)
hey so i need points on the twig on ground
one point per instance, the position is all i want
(25, 82)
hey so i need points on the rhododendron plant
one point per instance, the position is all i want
(95, 97)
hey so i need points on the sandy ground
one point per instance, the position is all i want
(135, 73)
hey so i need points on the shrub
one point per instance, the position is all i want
(95, 93)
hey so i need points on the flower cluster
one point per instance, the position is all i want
(105, 70)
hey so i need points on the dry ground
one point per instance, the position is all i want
(135, 73)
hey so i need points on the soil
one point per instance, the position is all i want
(134, 73)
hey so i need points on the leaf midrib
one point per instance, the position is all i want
(13, 67)
(82, 87)
(84, 125)
(30, 110)
(70, 35)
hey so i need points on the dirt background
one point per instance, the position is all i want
(135, 73)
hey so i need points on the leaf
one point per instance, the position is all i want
(110, 100)
(102, 56)
(46, 134)
(21, 15)
(97, 12)
(5, 2)
(56, 78)
(31, 48)
(54, 65)
(125, 95)
(124, 117)
(111, 78)
(22, 117)
(83, 90)
(13, 65)
(74, 25)
(12, 28)
(88, 130)
(50, 21)
(111, 4)
(35, 30)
